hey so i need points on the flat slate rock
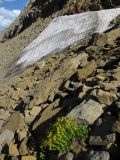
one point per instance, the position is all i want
(88, 111)
(6, 135)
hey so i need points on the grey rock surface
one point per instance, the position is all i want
(101, 133)
(6, 135)
(67, 156)
(102, 141)
(15, 122)
(98, 155)
(1, 123)
(117, 103)
(88, 111)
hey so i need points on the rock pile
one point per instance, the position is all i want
(82, 81)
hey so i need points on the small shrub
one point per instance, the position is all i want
(62, 134)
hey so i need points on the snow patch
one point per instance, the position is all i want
(64, 31)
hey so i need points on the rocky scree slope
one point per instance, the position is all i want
(83, 81)
(42, 9)
(30, 23)
(62, 32)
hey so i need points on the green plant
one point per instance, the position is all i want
(62, 134)
(42, 155)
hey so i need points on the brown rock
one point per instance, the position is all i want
(62, 94)
(48, 113)
(93, 49)
(24, 83)
(116, 127)
(101, 134)
(15, 95)
(29, 119)
(35, 111)
(7, 102)
(113, 85)
(112, 36)
(67, 83)
(3, 89)
(51, 84)
(99, 141)
(87, 70)
(28, 158)
(4, 115)
(15, 122)
(84, 91)
(23, 149)
(100, 39)
(116, 75)
(14, 158)
(75, 147)
(105, 97)
(22, 134)
(114, 52)
(13, 151)
(101, 76)
(1, 123)
(2, 157)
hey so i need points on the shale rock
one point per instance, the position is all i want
(15, 122)
(22, 134)
(104, 97)
(13, 151)
(51, 84)
(52, 110)
(67, 156)
(116, 126)
(75, 147)
(101, 134)
(117, 103)
(87, 70)
(28, 158)
(116, 75)
(98, 155)
(88, 111)
(6, 135)
(1, 123)
(23, 147)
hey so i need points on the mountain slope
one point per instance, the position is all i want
(63, 32)
(82, 82)
(52, 8)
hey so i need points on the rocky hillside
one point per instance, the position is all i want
(30, 23)
(42, 9)
(82, 82)
(68, 109)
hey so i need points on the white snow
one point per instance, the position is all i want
(64, 31)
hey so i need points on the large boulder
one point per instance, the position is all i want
(88, 111)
